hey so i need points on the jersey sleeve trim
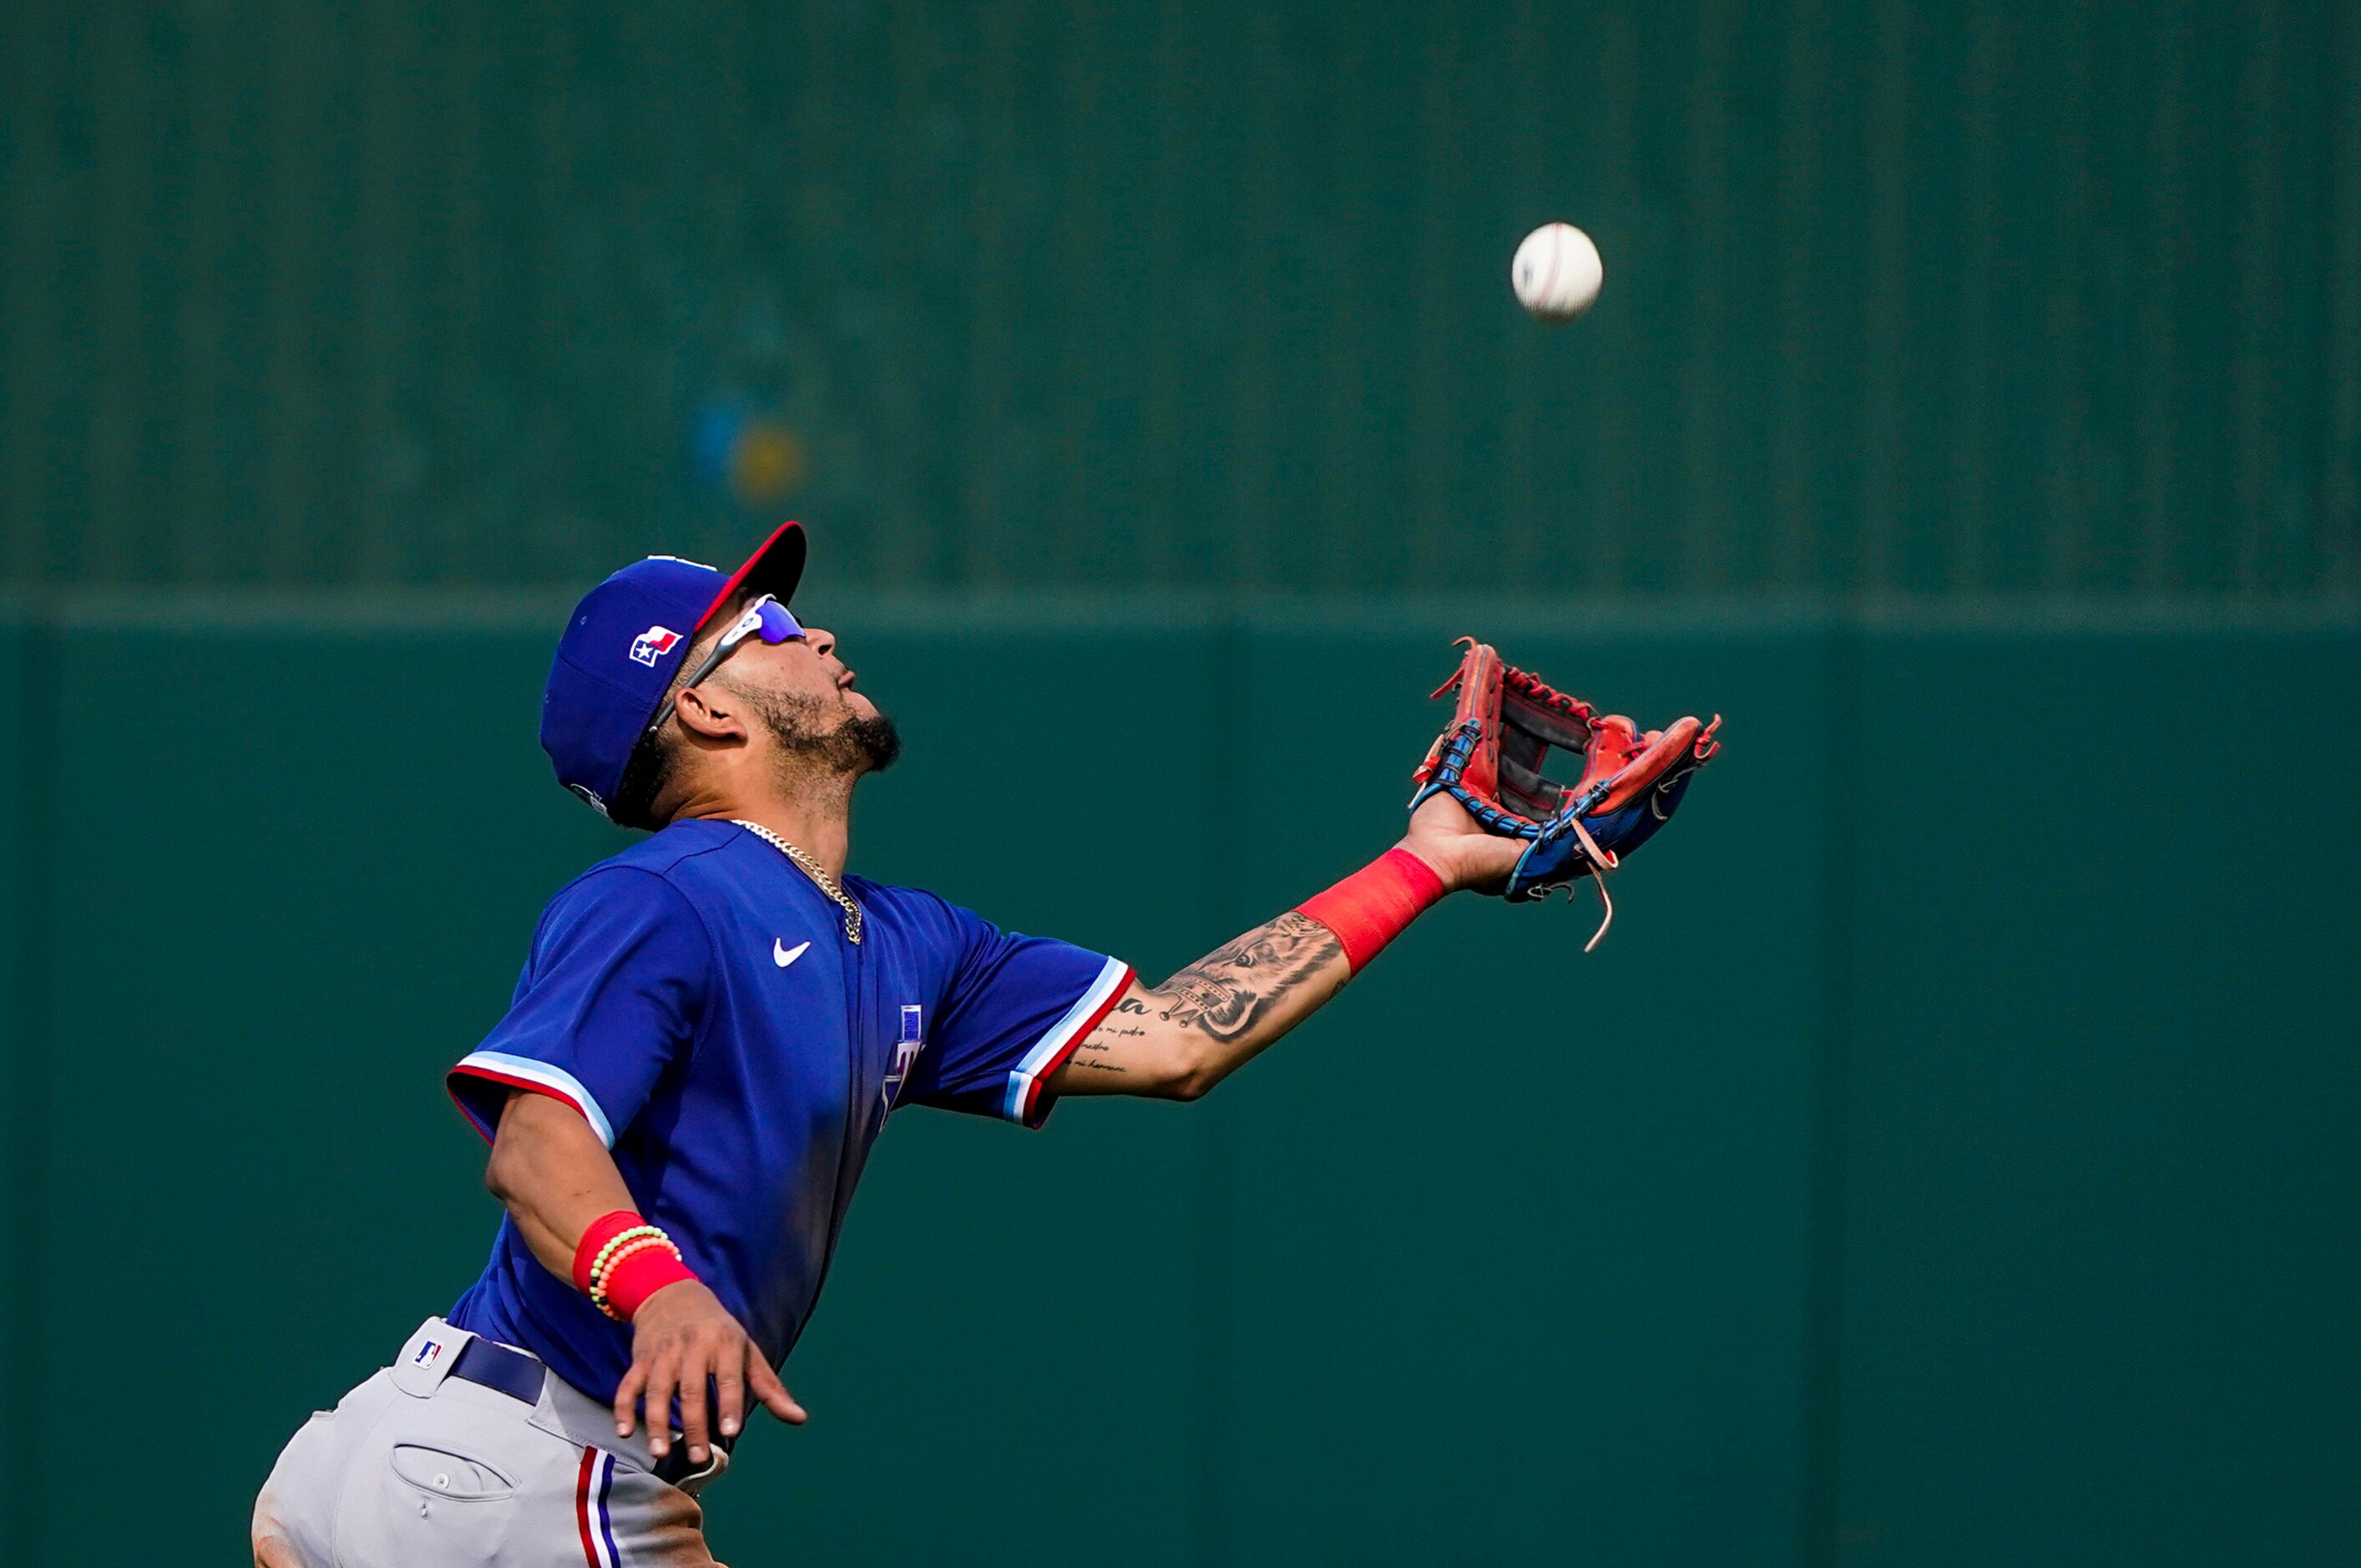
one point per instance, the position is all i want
(520, 1072)
(1022, 1102)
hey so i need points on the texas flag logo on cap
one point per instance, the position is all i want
(654, 644)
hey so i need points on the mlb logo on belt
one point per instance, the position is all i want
(654, 644)
(426, 1353)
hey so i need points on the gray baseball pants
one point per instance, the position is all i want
(418, 1469)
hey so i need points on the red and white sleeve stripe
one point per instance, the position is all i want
(522, 1072)
(1049, 1053)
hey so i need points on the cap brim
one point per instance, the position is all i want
(775, 569)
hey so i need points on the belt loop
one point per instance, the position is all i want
(428, 1357)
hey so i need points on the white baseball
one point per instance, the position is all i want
(1557, 272)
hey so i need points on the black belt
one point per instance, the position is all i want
(519, 1376)
(496, 1366)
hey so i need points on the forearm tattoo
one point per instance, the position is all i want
(1229, 991)
(1090, 1056)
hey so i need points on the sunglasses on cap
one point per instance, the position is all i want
(766, 617)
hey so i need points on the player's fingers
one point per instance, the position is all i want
(730, 1392)
(663, 1378)
(627, 1399)
(693, 1373)
(769, 1389)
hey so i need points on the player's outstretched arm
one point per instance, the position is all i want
(1175, 1041)
(556, 1178)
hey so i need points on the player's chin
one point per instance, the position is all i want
(858, 703)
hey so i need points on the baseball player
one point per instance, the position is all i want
(710, 1031)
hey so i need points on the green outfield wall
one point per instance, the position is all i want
(1947, 1160)
(1938, 296)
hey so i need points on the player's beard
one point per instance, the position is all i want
(865, 743)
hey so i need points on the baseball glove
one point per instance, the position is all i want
(1491, 761)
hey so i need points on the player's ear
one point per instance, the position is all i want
(710, 713)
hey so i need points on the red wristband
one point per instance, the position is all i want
(640, 1275)
(603, 1229)
(623, 1260)
(1369, 908)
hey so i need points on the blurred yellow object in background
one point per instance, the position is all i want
(767, 462)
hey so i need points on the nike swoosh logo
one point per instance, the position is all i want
(782, 955)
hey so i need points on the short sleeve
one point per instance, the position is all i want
(1015, 1009)
(613, 991)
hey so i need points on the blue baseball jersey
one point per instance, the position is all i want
(697, 999)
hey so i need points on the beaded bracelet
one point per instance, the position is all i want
(622, 1260)
(631, 1279)
(603, 1272)
(606, 1255)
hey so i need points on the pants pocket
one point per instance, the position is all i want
(457, 1481)
(445, 1473)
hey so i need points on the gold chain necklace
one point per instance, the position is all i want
(814, 870)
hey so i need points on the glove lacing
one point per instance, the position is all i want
(1602, 862)
(1540, 691)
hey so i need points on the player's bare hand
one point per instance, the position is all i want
(1465, 856)
(682, 1339)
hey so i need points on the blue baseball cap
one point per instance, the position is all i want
(624, 647)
